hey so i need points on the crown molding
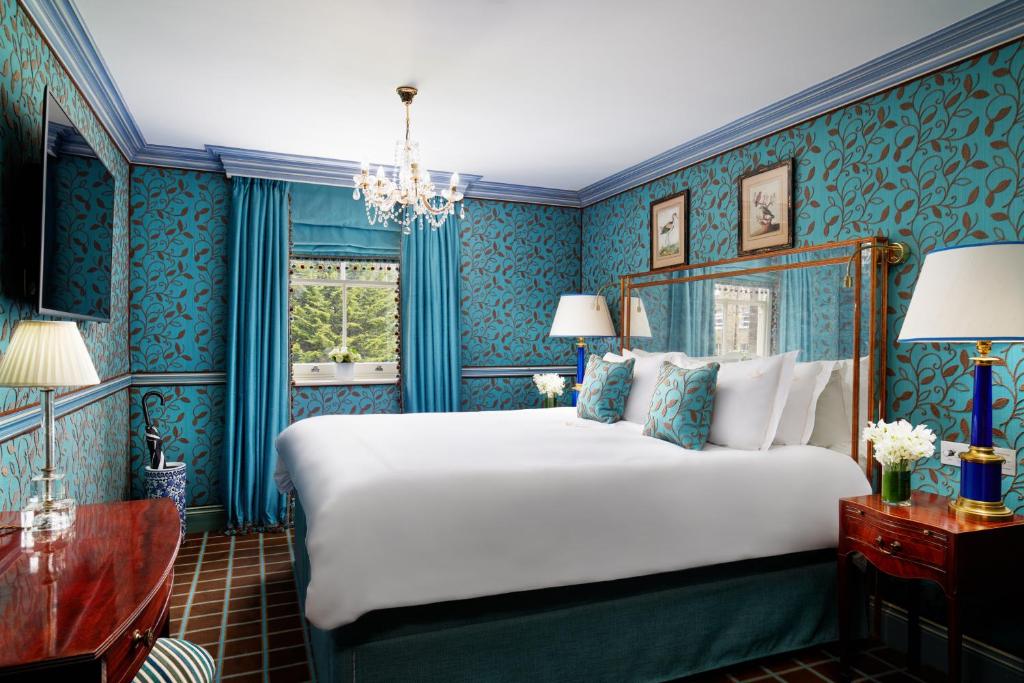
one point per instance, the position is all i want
(306, 169)
(64, 29)
(977, 33)
(510, 192)
(177, 157)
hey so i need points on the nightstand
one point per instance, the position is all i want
(923, 541)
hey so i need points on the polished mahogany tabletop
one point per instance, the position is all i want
(931, 509)
(67, 597)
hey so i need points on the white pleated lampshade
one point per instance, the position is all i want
(47, 353)
(639, 325)
(582, 315)
(967, 294)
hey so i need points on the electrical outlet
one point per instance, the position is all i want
(951, 451)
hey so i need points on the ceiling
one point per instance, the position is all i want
(536, 92)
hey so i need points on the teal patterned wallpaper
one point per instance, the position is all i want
(935, 162)
(93, 441)
(343, 400)
(178, 268)
(517, 259)
(178, 311)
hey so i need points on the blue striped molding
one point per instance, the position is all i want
(306, 169)
(29, 418)
(529, 194)
(975, 34)
(152, 379)
(178, 157)
(62, 25)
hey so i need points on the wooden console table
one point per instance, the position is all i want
(923, 541)
(88, 604)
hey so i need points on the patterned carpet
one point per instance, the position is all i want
(235, 596)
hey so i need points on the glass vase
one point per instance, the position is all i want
(896, 483)
(550, 401)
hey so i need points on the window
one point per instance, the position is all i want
(743, 319)
(349, 304)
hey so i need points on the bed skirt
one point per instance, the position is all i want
(653, 628)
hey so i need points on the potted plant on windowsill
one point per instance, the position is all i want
(344, 362)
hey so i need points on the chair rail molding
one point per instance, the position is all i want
(65, 31)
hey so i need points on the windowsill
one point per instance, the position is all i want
(334, 381)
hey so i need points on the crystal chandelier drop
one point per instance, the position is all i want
(407, 194)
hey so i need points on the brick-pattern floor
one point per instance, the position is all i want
(235, 596)
(873, 664)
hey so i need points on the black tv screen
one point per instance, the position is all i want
(77, 223)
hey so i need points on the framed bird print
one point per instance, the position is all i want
(766, 209)
(670, 230)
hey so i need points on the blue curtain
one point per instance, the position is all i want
(796, 302)
(327, 221)
(691, 318)
(257, 352)
(431, 352)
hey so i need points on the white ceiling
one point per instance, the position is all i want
(556, 93)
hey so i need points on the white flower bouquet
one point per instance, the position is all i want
(897, 445)
(549, 385)
(900, 441)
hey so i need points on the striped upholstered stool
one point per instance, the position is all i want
(176, 661)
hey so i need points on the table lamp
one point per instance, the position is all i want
(973, 294)
(581, 316)
(639, 325)
(46, 354)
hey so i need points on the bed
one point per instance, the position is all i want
(533, 545)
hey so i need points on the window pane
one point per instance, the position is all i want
(318, 312)
(317, 322)
(742, 319)
(372, 319)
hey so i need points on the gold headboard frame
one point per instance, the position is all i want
(878, 247)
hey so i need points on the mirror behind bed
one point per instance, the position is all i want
(774, 303)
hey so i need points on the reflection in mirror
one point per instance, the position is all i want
(78, 223)
(788, 301)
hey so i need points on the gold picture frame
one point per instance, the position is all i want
(670, 230)
(766, 209)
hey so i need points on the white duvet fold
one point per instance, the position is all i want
(414, 509)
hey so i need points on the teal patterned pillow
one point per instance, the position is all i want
(682, 404)
(605, 389)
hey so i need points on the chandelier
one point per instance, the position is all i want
(407, 193)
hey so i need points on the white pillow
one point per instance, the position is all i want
(831, 423)
(749, 400)
(640, 353)
(645, 379)
(797, 422)
(613, 357)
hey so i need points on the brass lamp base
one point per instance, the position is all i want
(981, 510)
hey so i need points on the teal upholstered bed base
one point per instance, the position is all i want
(653, 628)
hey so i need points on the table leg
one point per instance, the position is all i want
(845, 641)
(954, 635)
(876, 603)
(913, 627)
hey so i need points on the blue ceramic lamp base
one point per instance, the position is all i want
(581, 365)
(980, 468)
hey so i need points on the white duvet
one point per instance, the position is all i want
(414, 509)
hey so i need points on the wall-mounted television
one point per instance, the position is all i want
(76, 244)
